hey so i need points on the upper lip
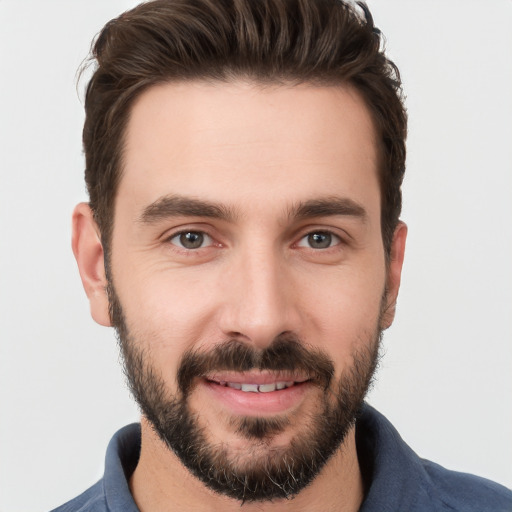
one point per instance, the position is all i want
(256, 377)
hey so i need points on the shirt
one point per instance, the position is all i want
(397, 479)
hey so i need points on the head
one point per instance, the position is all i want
(244, 162)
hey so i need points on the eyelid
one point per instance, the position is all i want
(334, 230)
(186, 227)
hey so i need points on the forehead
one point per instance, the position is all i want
(244, 143)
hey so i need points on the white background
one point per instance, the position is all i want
(445, 381)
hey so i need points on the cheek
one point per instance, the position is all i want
(167, 312)
(344, 310)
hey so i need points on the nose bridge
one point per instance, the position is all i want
(259, 306)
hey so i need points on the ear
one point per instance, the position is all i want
(88, 251)
(396, 260)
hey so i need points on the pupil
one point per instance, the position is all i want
(319, 240)
(191, 240)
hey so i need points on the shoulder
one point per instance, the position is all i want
(92, 500)
(465, 492)
(398, 479)
(112, 492)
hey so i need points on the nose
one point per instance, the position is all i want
(261, 300)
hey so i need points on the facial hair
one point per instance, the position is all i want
(262, 472)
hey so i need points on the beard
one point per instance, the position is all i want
(261, 472)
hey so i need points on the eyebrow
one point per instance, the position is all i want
(326, 207)
(181, 206)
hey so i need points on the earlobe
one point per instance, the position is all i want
(396, 260)
(88, 251)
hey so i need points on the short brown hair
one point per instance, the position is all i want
(290, 41)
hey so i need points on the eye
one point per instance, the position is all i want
(191, 240)
(319, 240)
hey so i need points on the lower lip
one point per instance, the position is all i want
(257, 404)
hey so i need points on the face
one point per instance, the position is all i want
(248, 279)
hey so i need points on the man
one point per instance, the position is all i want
(244, 162)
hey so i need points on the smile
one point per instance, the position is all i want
(257, 388)
(257, 393)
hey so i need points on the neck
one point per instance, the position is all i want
(160, 483)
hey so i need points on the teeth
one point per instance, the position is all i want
(266, 388)
(255, 388)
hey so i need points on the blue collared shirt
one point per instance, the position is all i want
(398, 480)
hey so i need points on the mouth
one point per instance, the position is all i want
(257, 388)
(257, 382)
(257, 393)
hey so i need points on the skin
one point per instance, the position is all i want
(256, 152)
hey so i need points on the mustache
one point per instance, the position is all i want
(285, 353)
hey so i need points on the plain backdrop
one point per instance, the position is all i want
(445, 381)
